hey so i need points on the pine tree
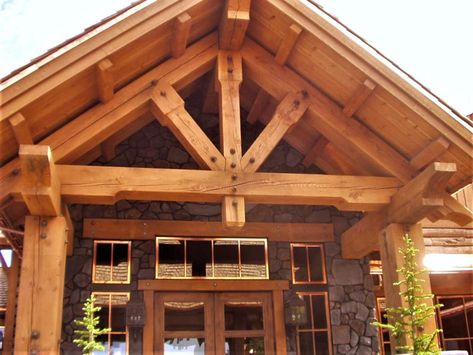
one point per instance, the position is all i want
(88, 331)
(410, 319)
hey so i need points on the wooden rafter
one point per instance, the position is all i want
(20, 129)
(149, 229)
(40, 186)
(421, 197)
(106, 185)
(287, 114)
(324, 115)
(427, 155)
(105, 83)
(169, 108)
(358, 98)
(182, 27)
(235, 20)
(282, 55)
(102, 121)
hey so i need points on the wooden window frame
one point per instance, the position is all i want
(328, 330)
(293, 270)
(469, 331)
(379, 317)
(94, 263)
(109, 320)
(212, 240)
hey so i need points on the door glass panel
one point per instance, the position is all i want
(244, 346)
(118, 344)
(118, 319)
(187, 346)
(226, 263)
(306, 343)
(253, 259)
(308, 325)
(321, 343)
(315, 264)
(300, 264)
(171, 258)
(318, 310)
(183, 316)
(243, 316)
(199, 258)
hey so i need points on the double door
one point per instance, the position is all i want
(222, 323)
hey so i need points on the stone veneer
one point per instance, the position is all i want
(349, 284)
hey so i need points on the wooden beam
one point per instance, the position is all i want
(430, 153)
(134, 229)
(359, 97)
(235, 20)
(420, 198)
(20, 129)
(102, 121)
(324, 115)
(391, 240)
(168, 107)
(105, 81)
(40, 185)
(316, 151)
(233, 212)
(287, 114)
(106, 185)
(210, 101)
(285, 49)
(148, 329)
(39, 322)
(69, 230)
(213, 285)
(182, 27)
(452, 210)
(11, 305)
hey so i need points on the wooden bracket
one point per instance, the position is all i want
(182, 27)
(40, 183)
(235, 20)
(427, 155)
(233, 212)
(359, 98)
(104, 72)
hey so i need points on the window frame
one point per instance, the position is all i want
(94, 262)
(109, 320)
(293, 269)
(327, 330)
(212, 240)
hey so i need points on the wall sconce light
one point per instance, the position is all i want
(135, 315)
(295, 311)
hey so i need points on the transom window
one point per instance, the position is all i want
(228, 258)
(113, 316)
(111, 262)
(308, 264)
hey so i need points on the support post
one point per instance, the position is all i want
(11, 305)
(390, 241)
(40, 297)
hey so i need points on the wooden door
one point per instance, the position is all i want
(226, 323)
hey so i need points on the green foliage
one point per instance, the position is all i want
(410, 320)
(88, 331)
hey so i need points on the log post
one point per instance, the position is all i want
(390, 241)
(11, 305)
(40, 298)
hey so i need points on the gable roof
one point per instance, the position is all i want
(366, 117)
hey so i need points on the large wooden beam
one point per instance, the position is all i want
(102, 121)
(169, 108)
(106, 185)
(182, 27)
(97, 228)
(391, 240)
(324, 115)
(40, 297)
(40, 184)
(422, 197)
(287, 114)
(235, 20)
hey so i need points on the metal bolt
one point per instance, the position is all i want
(213, 159)
(234, 177)
(15, 172)
(305, 93)
(162, 93)
(34, 334)
(234, 203)
(232, 151)
(234, 189)
(230, 70)
(154, 82)
(252, 160)
(44, 222)
(233, 165)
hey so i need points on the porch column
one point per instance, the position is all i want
(40, 298)
(11, 305)
(390, 241)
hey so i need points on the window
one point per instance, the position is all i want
(308, 264)
(112, 315)
(315, 336)
(227, 258)
(111, 262)
(456, 320)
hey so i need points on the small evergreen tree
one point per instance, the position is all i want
(410, 319)
(88, 331)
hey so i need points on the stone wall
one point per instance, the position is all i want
(349, 283)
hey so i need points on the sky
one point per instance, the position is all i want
(430, 39)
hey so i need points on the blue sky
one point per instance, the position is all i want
(430, 39)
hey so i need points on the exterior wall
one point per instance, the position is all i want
(349, 284)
